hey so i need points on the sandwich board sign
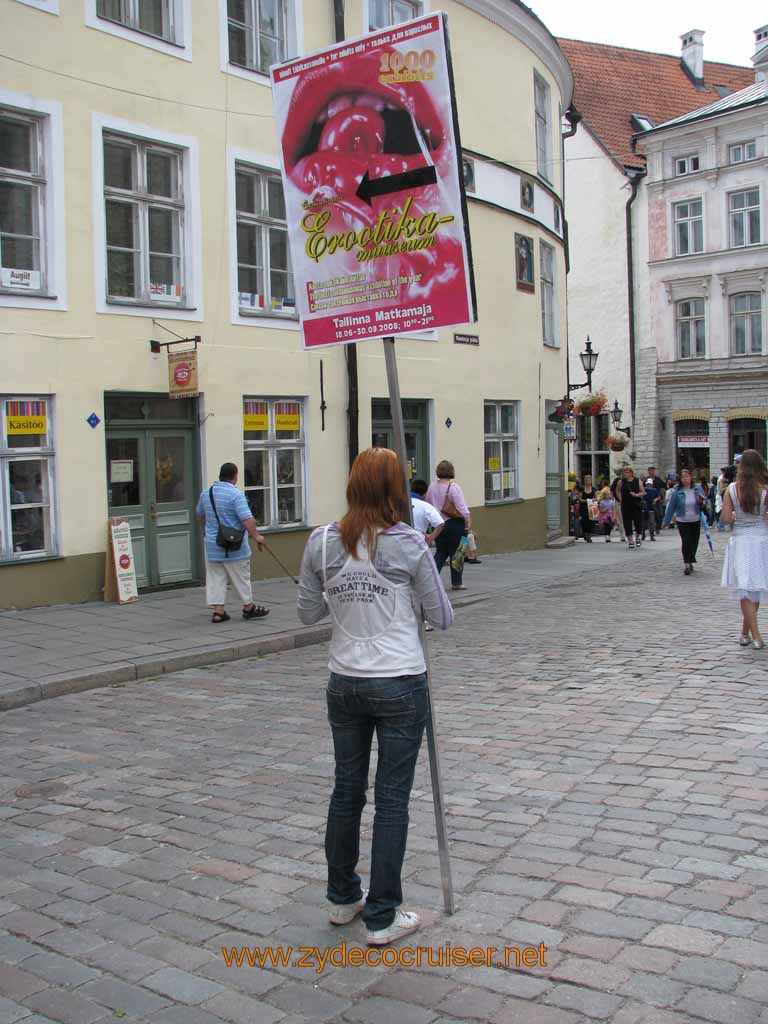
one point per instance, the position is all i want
(373, 184)
(120, 578)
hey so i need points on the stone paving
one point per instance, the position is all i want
(604, 747)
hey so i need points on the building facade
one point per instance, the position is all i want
(707, 399)
(141, 201)
(607, 198)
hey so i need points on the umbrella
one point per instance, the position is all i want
(707, 534)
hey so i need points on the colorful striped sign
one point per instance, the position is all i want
(26, 417)
(287, 417)
(255, 416)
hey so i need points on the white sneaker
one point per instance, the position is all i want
(404, 923)
(345, 913)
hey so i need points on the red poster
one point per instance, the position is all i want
(374, 195)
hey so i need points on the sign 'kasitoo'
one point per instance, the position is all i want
(374, 193)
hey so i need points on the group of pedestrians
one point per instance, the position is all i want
(377, 579)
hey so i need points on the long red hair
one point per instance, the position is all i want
(376, 497)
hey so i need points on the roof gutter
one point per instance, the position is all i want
(635, 176)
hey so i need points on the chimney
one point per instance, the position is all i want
(693, 54)
(760, 59)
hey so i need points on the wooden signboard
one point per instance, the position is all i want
(120, 575)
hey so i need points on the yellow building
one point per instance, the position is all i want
(140, 199)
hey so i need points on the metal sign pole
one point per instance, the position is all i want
(393, 381)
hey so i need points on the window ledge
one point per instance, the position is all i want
(33, 559)
(253, 315)
(291, 528)
(502, 501)
(250, 75)
(149, 305)
(27, 292)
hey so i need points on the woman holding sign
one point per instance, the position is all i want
(371, 571)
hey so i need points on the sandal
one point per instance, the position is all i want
(255, 612)
(220, 617)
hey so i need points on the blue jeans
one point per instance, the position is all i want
(397, 710)
(446, 545)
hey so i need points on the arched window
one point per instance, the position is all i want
(746, 324)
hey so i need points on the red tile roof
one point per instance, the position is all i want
(612, 83)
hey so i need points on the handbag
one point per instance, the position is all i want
(449, 509)
(228, 537)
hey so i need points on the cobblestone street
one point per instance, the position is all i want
(604, 748)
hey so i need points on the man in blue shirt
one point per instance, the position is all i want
(224, 566)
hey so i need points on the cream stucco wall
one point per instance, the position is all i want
(77, 354)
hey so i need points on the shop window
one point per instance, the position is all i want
(501, 451)
(274, 461)
(746, 324)
(747, 433)
(692, 437)
(264, 274)
(27, 512)
(144, 208)
(592, 454)
(382, 13)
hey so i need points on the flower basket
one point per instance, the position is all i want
(617, 442)
(592, 405)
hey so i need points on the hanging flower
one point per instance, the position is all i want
(592, 405)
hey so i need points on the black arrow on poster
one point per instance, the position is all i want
(416, 178)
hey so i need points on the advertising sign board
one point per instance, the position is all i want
(374, 191)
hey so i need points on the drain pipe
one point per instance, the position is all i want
(350, 351)
(635, 176)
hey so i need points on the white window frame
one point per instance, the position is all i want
(264, 162)
(749, 316)
(548, 292)
(542, 117)
(52, 256)
(676, 221)
(743, 159)
(180, 47)
(497, 437)
(743, 214)
(294, 41)
(191, 255)
(49, 6)
(263, 221)
(47, 455)
(423, 6)
(693, 319)
(272, 444)
(592, 453)
(685, 164)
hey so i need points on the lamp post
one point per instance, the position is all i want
(589, 361)
(616, 414)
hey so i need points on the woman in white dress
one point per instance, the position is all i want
(745, 569)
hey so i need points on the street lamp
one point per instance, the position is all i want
(616, 414)
(589, 362)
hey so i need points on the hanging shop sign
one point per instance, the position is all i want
(182, 374)
(569, 428)
(120, 576)
(695, 441)
(374, 189)
(26, 418)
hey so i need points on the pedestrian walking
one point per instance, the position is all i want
(651, 502)
(606, 506)
(448, 498)
(588, 494)
(745, 568)
(658, 483)
(371, 571)
(685, 505)
(574, 511)
(630, 492)
(227, 520)
(426, 519)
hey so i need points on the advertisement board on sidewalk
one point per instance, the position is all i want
(374, 192)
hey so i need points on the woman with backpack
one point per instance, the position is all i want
(371, 571)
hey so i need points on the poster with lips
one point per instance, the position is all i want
(374, 194)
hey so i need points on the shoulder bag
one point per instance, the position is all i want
(449, 509)
(228, 537)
